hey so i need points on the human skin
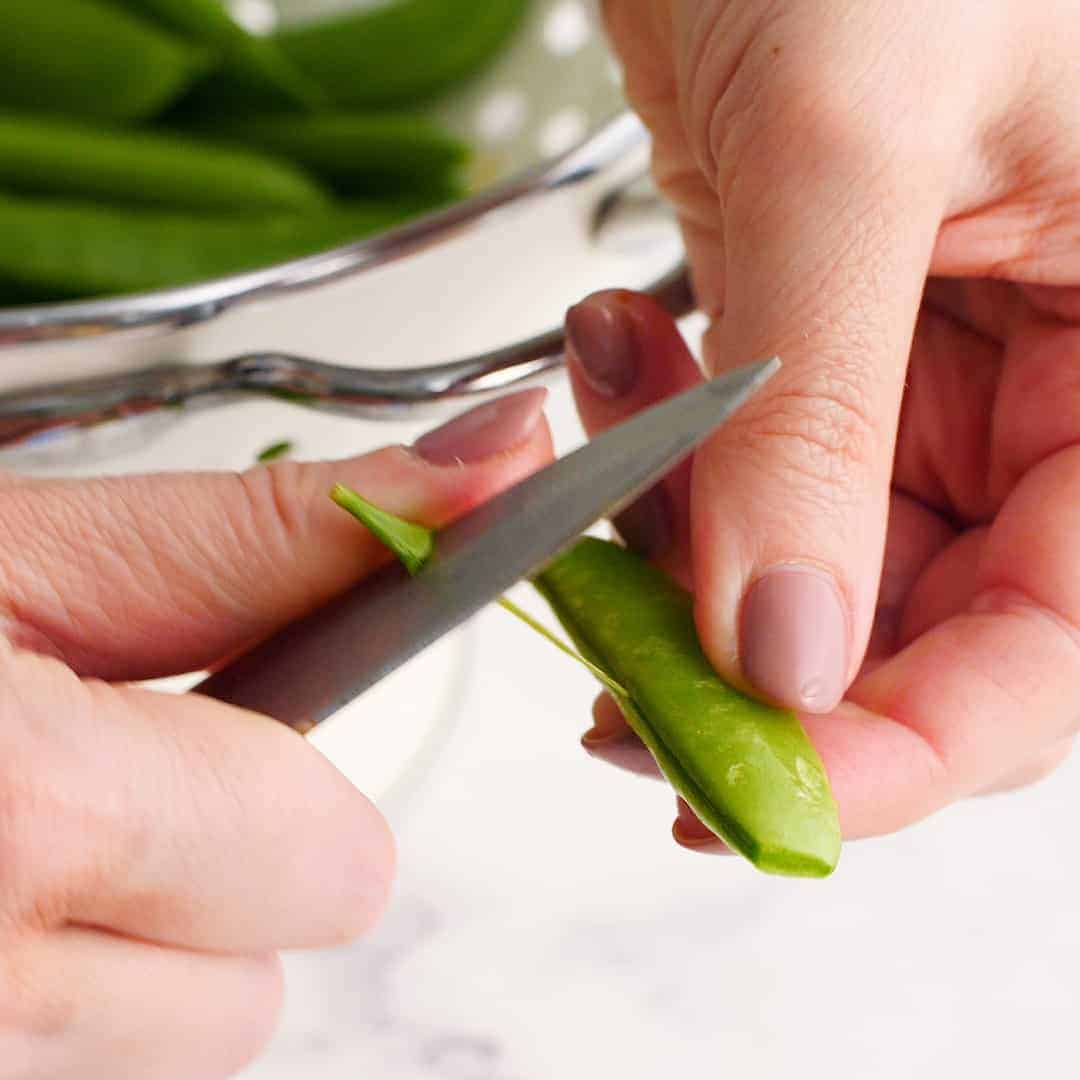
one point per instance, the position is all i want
(156, 850)
(887, 195)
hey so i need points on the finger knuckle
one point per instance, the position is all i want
(270, 516)
(775, 105)
(821, 432)
(272, 503)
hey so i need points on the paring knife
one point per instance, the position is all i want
(314, 668)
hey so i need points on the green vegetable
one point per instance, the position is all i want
(355, 154)
(275, 451)
(80, 250)
(87, 58)
(402, 52)
(747, 770)
(412, 544)
(602, 676)
(253, 71)
(50, 157)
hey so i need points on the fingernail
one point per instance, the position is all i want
(646, 524)
(689, 832)
(609, 724)
(794, 638)
(603, 343)
(483, 432)
(599, 736)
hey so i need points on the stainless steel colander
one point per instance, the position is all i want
(401, 321)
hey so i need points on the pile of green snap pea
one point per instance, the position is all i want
(746, 769)
(153, 143)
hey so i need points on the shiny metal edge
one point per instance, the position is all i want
(611, 144)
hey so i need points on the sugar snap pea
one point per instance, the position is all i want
(747, 770)
(50, 157)
(91, 59)
(404, 51)
(81, 250)
(355, 154)
(252, 70)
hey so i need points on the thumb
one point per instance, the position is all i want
(827, 237)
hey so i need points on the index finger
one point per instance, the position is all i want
(139, 577)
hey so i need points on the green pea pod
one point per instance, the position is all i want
(253, 70)
(402, 52)
(355, 154)
(50, 157)
(747, 770)
(68, 250)
(90, 59)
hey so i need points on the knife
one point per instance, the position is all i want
(317, 666)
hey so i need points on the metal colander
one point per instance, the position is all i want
(396, 323)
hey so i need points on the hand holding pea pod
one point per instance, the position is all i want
(156, 849)
(933, 677)
(746, 769)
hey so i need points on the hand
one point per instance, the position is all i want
(157, 850)
(892, 521)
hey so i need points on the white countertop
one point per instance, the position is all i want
(546, 926)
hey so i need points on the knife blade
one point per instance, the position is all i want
(317, 666)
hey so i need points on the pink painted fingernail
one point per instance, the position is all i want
(604, 348)
(689, 832)
(794, 638)
(601, 735)
(484, 432)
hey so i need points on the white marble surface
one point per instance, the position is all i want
(546, 926)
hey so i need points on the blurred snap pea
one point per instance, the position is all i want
(253, 71)
(90, 59)
(355, 154)
(50, 157)
(69, 250)
(404, 51)
(747, 770)
(283, 448)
